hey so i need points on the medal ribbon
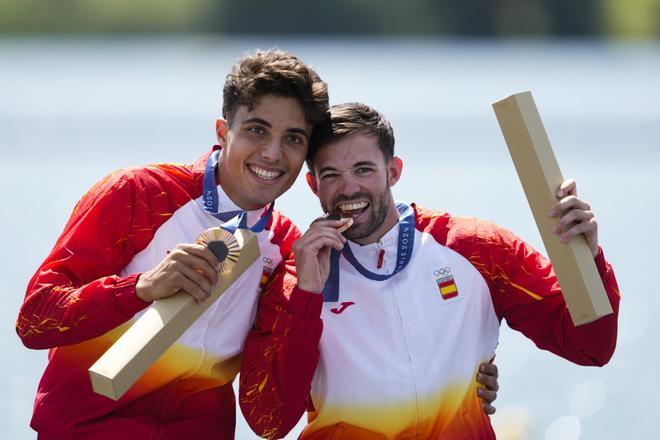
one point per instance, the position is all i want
(403, 254)
(233, 219)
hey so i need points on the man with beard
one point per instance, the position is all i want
(378, 332)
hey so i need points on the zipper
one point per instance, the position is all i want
(410, 361)
(381, 254)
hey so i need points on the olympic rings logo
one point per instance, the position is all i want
(442, 271)
(268, 261)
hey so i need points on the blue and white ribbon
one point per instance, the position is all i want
(233, 219)
(404, 251)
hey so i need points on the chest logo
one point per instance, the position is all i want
(344, 306)
(446, 283)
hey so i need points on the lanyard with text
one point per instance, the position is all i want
(233, 219)
(403, 254)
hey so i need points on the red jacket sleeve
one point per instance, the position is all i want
(280, 356)
(76, 293)
(525, 293)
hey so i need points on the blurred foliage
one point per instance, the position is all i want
(115, 16)
(632, 18)
(462, 18)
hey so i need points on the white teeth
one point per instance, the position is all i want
(352, 206)
(264, 174)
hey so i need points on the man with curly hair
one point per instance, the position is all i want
(127, 244)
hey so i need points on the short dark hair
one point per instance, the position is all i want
(274, 72)
(343, 120)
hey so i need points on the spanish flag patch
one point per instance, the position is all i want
(265, 277)
(447, 287)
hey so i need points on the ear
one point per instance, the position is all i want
(311, 181)
(394, 168)
(221, 129)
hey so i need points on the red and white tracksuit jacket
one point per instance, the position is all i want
(83, 297)
(397, 359)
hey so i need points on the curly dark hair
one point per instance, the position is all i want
(343, 120)
(274, 72)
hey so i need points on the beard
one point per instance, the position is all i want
(379, 205)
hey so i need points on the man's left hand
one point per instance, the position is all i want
(575, 216)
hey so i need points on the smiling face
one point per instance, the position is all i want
(352, 177)
(263, 150)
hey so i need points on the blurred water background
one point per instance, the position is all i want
(75, 107)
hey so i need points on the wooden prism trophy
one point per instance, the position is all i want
(166, 319)
(540, 176)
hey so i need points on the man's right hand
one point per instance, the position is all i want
(312, 253)
(487, 391)
(188, 267)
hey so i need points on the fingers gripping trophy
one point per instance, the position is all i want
(167, 319)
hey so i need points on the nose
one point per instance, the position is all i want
(348, 186)
(271, 150)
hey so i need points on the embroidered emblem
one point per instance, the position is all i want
(447, 287)
(446, 284)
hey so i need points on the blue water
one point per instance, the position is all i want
(71, 111)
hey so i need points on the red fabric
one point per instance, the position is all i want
(160, 415)
(76, 293)
(280, 356)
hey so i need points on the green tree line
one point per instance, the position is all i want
(461, 18)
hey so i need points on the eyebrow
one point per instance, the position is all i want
(256, 120)
(364, 163)
(324, 169)
(298, 131)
